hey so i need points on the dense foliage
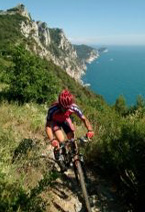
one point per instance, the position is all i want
(10, 29)
(30, 79)
(119, 152)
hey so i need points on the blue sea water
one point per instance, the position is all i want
(120, 71)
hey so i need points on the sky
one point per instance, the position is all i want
(95, 22)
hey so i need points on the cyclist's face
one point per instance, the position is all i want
(63, 109)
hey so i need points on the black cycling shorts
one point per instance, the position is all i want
(67, 126)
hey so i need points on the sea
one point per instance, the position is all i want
(119, 70)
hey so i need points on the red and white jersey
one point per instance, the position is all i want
(56, 113)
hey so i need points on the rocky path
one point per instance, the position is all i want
(66, 195)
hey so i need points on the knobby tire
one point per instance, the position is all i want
(83, 185)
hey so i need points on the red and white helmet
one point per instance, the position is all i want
(65, 99)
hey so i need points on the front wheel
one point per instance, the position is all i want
(81, 179)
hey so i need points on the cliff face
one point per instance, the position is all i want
(50, 44)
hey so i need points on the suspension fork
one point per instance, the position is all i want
(77, 157)
(83, 169)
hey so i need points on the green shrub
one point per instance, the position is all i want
(120, 105)
(30, 80)
(10, 29)
(120, 151)
(13, 197)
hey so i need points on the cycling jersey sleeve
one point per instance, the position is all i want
(77, 110)
(51, 111)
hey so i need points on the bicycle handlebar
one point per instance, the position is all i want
(82, 140)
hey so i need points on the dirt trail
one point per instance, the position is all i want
(66, 195)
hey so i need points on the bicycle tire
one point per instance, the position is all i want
(83, 185)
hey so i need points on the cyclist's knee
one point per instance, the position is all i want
(59, 135)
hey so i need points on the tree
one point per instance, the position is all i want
(120, 105)
(31, 79)
(140, 103)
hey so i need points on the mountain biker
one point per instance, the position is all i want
(58, 118)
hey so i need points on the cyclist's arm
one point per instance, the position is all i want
(49, 130)
(48, 126)
(87, 123)
(79, 113)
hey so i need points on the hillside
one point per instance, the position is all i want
(30, 182)
(50, 43)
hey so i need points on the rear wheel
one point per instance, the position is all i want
(80, 177)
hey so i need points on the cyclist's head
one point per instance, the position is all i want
(65, 99)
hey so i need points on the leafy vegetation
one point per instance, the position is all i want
(10, 29)
(24, 175)
(31, 80)
(120, 105)
(119, 152)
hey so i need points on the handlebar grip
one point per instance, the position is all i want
(84, 139)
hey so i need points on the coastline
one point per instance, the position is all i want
(89, 61)
(92, 58)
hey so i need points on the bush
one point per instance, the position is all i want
(120, 105)
(13, 197)
(30, 79)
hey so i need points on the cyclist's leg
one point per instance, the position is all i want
(60, 138)
(68, 128)
(59, 156)
(59, 135)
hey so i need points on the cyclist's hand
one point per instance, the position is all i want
(54, 143)
(90, 134)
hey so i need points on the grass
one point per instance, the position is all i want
(22, 170)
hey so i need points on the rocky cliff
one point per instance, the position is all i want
(51, 43)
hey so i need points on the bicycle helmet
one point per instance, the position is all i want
(65, 99)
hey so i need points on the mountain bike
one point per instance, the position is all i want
(70, 156)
